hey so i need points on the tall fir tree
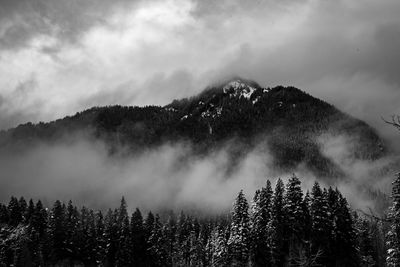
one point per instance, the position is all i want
(90, 243)
(278, 226)
(365, 244)
(332, 200)
(219, 247)
(123, 256)
(71, 223)
(260, 218)
(239, 239)
(170, 232)
(101, 242)
(148, 224)
(182, 238)
(295, 215)
(57, 232)
(138, 239)
(321, 225)
(148, 227)
(4, 215)
(39, 218)
(345, 244)
(393, 235)
(157, 245)
(111, 237)
(14, 211)
(29, 211)
(23, 206)
(306, 205)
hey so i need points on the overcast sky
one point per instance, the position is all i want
(58, 57)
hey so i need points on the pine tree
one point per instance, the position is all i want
(197, 249)
(202, 253)
(23, 208)
(239, 239)
(306, 205)
(111, 237)
(184, 228)
(148, 224)
(364, 239)
(37, 232)
(321, 225)
(170, 232)
(38, 219)
(295, 217)
(148, 227)
(29, 211)
(277, 226)
(219, 247)
(71, 223)
(379, 242)
(157, 248)
(260, 218)
(332, 200)
(57, 232)
(138, 239)
(79, 234)
(35, 247)
(15, 213)
(393, 236)
(4, 214)
(123, 256)
(90, 242)
(345, 247)
(101, 243)
(209, 227)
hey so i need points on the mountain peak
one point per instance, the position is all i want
(238, 88)
(235, 81)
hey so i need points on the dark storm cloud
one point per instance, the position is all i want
(22, 20)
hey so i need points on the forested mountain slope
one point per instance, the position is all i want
(286, 120)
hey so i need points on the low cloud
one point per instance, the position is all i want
(168, 177)
(364, 178)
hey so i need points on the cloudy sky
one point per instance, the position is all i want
(58, 57)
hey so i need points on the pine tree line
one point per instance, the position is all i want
(279, 227)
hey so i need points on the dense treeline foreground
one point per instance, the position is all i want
(283, 227)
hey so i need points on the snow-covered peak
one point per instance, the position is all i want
(239, 88)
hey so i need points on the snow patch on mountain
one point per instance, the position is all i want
(212, 113)
(239, 89)
(170, 109)
(256, 100)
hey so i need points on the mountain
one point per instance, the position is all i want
(285, 120)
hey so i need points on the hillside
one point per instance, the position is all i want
(285, 120)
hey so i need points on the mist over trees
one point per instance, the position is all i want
(285, 120)
(283, 226)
